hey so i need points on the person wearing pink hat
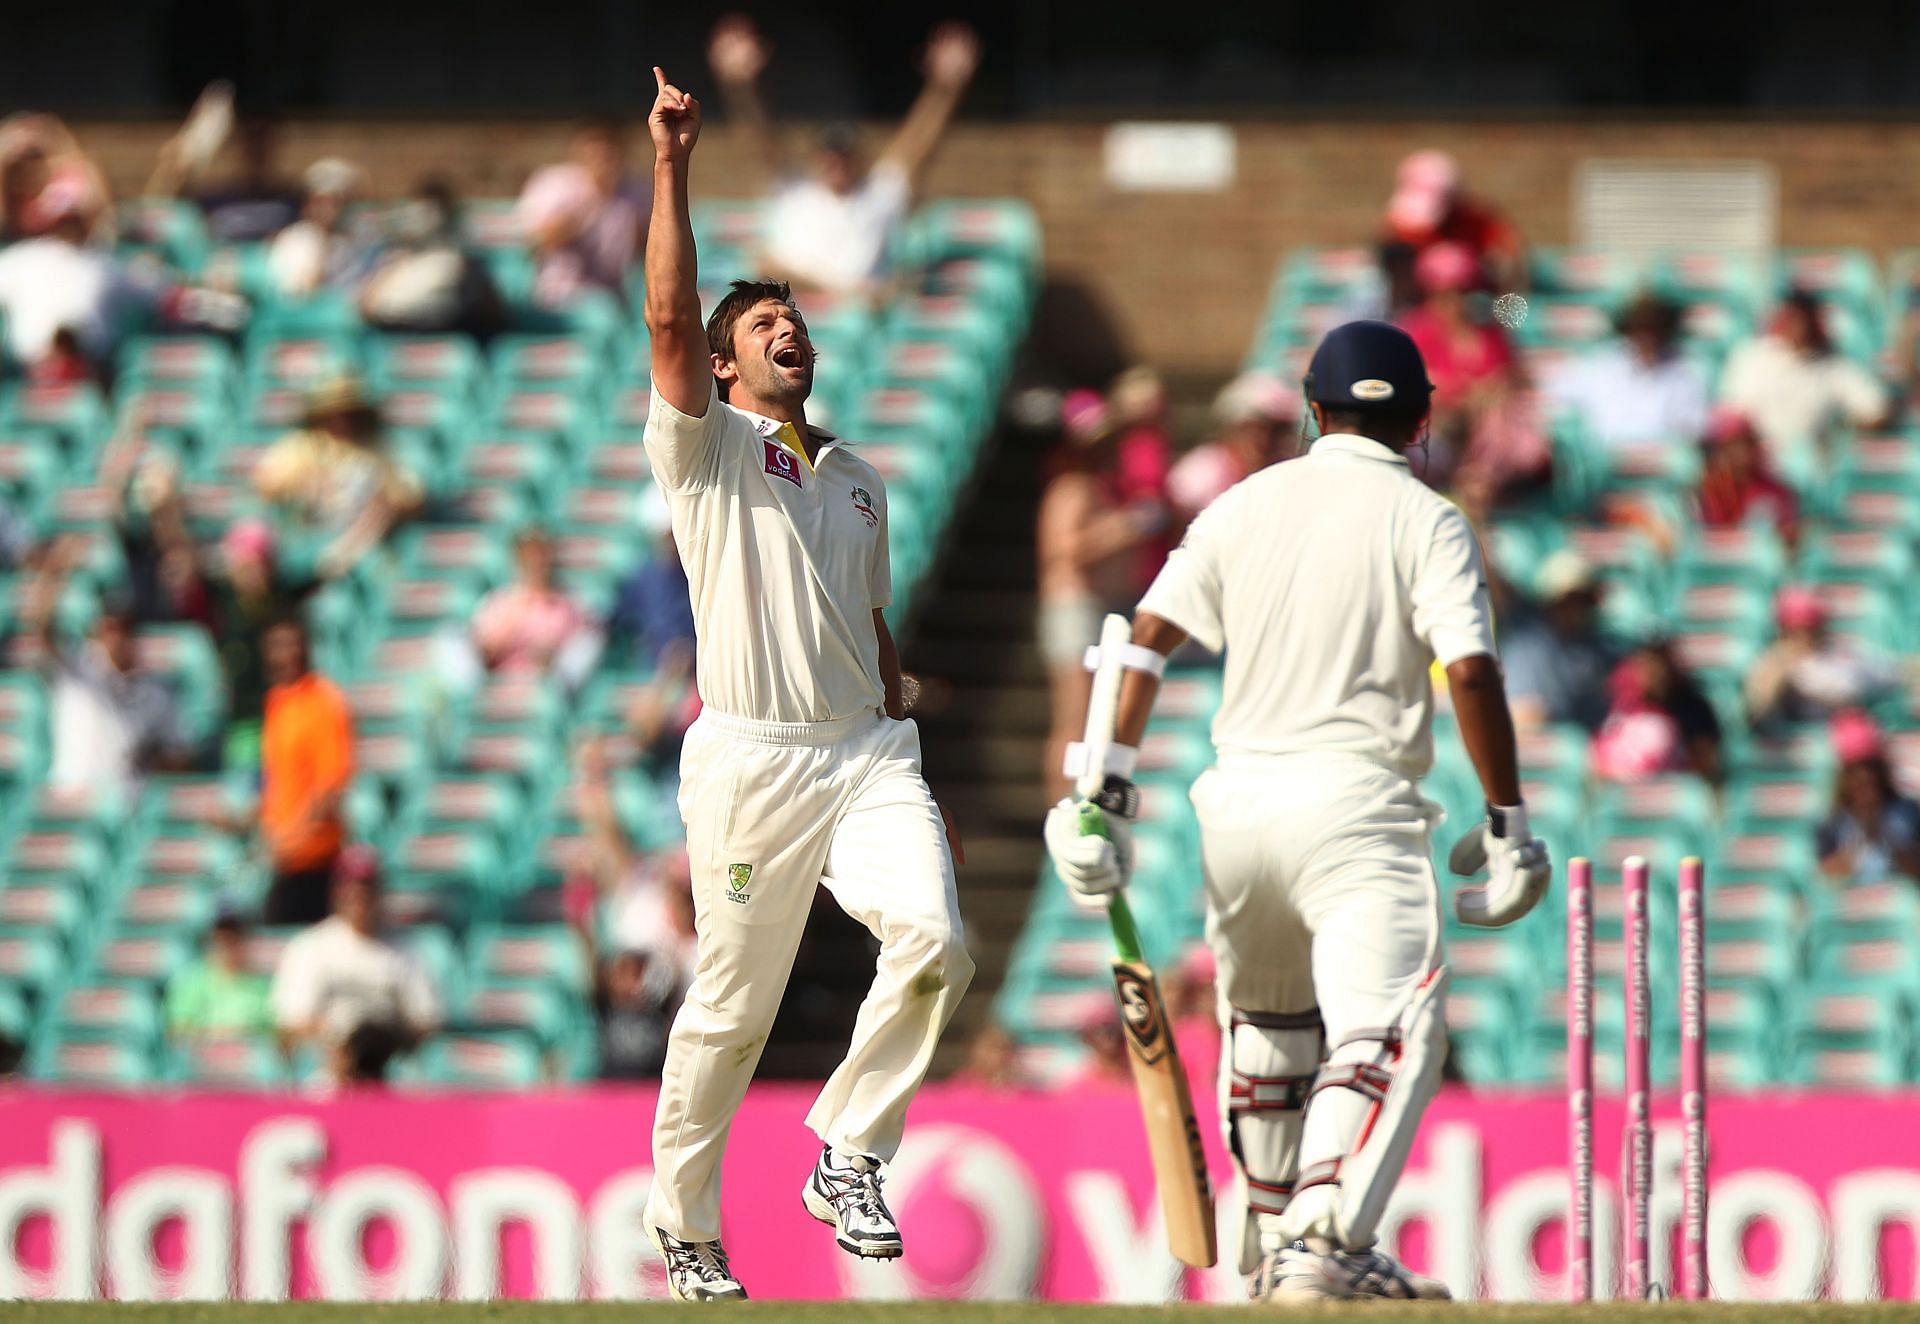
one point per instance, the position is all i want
(1660, 722)
(1809, 674)
(1429, 207)
(1485, 435)
(1738, 486)
(1259, 420)
(1085, 541)
(1873, 831)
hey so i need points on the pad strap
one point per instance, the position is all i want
(1268, 1197)
(1320, 1174)
(1258, 1094)
(1134, 657)
(1363, 1078)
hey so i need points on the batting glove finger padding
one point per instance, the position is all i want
(1091, 850)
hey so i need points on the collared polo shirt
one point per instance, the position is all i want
(1332, 583)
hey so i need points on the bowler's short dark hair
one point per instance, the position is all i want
(740, 296)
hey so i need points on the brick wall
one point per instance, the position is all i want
(1186, 275)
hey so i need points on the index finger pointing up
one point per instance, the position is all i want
(660, 77)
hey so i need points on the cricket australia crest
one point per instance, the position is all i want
(738, 877)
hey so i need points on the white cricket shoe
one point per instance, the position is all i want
(697, 1270)
(846, 1194)
(1301, 1274)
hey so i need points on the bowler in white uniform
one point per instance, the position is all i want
(1332, 583)
(802, 768)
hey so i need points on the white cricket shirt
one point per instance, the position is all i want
(786, 562)
(1332, 582)
(340, 978)
(838, 240)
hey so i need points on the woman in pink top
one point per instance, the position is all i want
(529, 626)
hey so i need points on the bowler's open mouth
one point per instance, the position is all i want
(790, 355)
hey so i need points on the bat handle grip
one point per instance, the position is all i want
(1126, 937)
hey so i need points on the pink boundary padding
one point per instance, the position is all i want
(1580, 1078)
(1637, 1181)
(1693, 1080)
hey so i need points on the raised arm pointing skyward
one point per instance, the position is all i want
(682, 370)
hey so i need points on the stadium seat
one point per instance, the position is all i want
(497, 1060)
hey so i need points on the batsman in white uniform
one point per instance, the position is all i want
(1331, 583)
(802, 768)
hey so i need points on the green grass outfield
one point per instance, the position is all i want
(828, 1312)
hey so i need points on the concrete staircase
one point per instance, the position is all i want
(983, 727)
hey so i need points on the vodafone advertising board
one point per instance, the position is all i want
(1000, 1196)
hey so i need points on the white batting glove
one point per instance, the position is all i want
(1518, 869)
(1091, 842)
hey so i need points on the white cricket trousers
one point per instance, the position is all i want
(772, 810)
(1320, 894)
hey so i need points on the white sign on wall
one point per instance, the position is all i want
(1170, 158)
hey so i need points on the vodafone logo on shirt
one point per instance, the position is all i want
(781, 464)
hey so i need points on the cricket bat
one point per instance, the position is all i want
(1166, 1104)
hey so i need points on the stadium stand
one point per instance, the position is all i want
(464, 795)
(1811, 982)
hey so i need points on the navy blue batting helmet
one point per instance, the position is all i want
(1369, 365)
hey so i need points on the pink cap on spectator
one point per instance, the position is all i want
(66, 194)
(1447, 267)
(357, 864)
(1083, 414)
(1423, 188)
(1727, 422)
(1800, 609)
(1855, 736)
(248, 540)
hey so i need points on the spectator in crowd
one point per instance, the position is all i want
(530, 627)
(1428, 208)
(1873, 831)
(1486, 436)
(150, 521)
(333, 480)
(1638, 389)
(635, 992)
(425, 280)
(1258, 417)
(43, 173)
(1143, 455)
(257, 201)
(58, 293)
(1557, 664)
(328, 248)
(586, 218)
(653, 608)
(1809, 674)
(306, 764)
(637, 892)
(1738, 486)
(835, 228)
(218, 996)
(1795, 386)
(1085, 543)
(254, 204)
(1659, 721)
(341, 974)
(993, 1061)
(113, 720)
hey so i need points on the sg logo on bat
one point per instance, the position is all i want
(1141, 1014)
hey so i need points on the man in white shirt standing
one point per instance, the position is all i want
(802, 768)
(341, 974)
(1332, 583)
(833, 229)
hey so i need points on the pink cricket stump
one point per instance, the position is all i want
(1580, 1078)
(1636, 1183)
(1693, 1080)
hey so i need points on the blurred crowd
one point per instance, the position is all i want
(321, 504)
